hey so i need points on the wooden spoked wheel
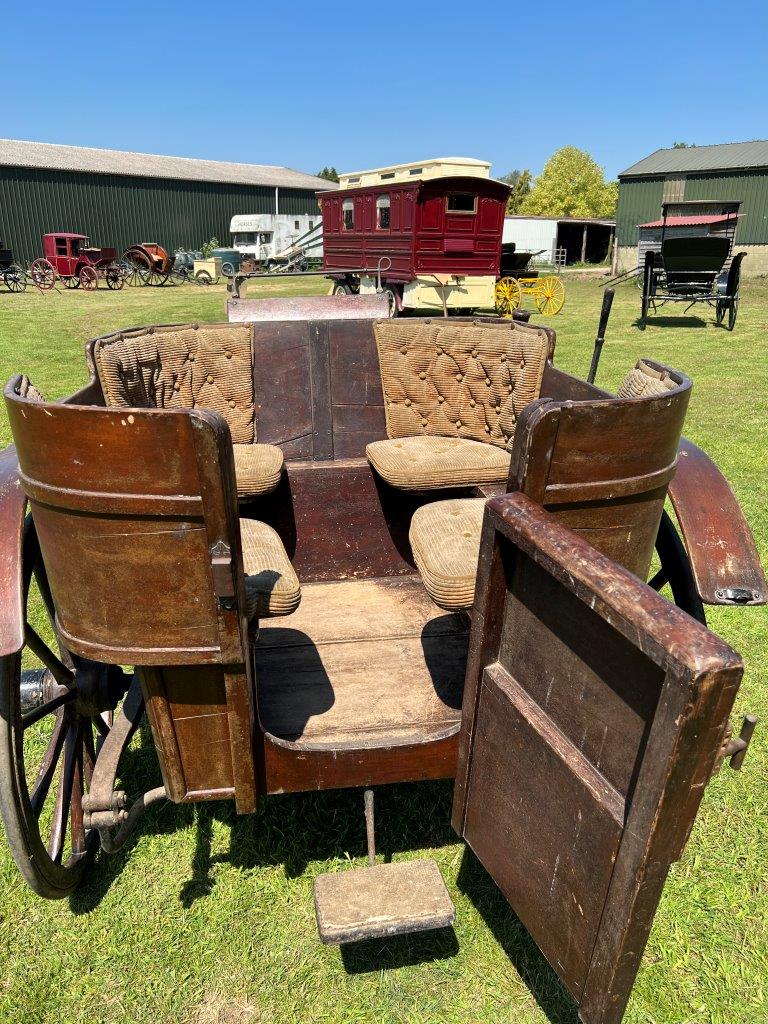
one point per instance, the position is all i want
(15, 279)
(137, 271)
(203, 277)
(508, 296)
(89, 279)
(158, 278)
(43, 273)
(550, 295)
(115, 279)
(732, 311)
(52, 722)
(72, 282)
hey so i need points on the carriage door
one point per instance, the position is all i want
(593, 714)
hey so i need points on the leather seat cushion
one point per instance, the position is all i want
(425, 463)
(258, 468)
(271, 584)
(445, 541)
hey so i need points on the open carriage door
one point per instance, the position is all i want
(594, 711)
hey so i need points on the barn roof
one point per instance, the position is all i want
(727, 157)
(687, 222)
(47, 156)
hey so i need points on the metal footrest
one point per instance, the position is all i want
(379, 901)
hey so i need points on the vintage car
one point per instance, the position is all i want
(326, 554)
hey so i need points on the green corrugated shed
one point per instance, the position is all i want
(118, 211)
(734, 171)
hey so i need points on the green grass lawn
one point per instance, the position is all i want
(207, 917)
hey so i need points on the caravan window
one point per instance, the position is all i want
(382, 212)
(460, 202)
(348, 209)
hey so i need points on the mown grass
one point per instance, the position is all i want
(208, 917)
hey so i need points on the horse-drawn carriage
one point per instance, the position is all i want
(147, 263)
(12, 275)
(518, 278)
(284, 530)
(71, 257)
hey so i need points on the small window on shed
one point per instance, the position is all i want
(416, 170)
(382, 212)
(460, 202)
(354, 180)
(295, 225)
(311, 225)
(387, 175)
(348, 215)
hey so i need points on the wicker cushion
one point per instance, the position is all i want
(445, 540)
(643, 381)
(460, 380)
(257, 468)
(206, 365)
(425, 463)
(271, 584)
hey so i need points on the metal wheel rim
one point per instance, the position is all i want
(508, 296)
(550, 295)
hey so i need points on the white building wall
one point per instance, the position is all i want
(531, 234)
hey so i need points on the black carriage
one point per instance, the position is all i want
(694, 268)
(12, 275)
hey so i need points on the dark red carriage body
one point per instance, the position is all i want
(445, 226)
(70, 252)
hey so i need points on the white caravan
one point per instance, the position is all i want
(270, 237)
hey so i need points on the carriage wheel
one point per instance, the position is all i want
(53, 718)
(391, 298)
(508, 296)
(115, 279)
(72, 282)
(733, 309)
(137, 271)
(89, 279)
(43, 273)
(720, 308)
(341, 289)
(228, 269)
(550, 295)
(15, 279)
(158, 278)
(179, 276)
(203, 277)
(676, 570)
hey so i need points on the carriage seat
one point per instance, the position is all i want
(445, 535)
(452, 395)
(206, 366)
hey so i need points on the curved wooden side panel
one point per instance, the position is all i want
(724, 559)
(13, 504)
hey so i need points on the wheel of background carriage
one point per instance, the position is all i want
(71, 282)
(391, 297)
(228, 270)
(676, 570)
(549, 295)
(115, 279)
(89, 279)
(203, 277)
(733, 309)
(137, 270)
(43, 273)
(720, 308)
(341, 289)
(157, 278)
(15, 279)
(508, 296)
(179, 276)
(53, 719)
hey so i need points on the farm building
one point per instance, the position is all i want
(563, 239)
(715, 177)
(119, 198)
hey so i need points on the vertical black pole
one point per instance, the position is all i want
(605, 312)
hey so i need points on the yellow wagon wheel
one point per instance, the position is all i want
(550, 295)
(508, 296)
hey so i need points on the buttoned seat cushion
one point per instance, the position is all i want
(426, 463)
(271, 584)
(257, 468)
(445, 541)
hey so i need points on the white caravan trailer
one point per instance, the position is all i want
(270, 237)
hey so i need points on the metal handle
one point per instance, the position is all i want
(605, 312)
(736, 747)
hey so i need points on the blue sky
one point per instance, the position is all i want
(362, 85)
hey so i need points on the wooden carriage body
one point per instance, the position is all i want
(135, 511)
(68, 252)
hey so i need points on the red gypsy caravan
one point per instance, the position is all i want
(428, 233)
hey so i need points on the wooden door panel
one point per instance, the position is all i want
(593, 713)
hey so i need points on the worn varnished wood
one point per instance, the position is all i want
(719, 542)
(12, 508)
(593, 714)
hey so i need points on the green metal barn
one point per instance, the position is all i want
(734, 171)
(119, 198)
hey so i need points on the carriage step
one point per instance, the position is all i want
(384, 900)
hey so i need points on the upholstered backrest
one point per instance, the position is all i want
(459, 380)
(644, 380)
(200, 365)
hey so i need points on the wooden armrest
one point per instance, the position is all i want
(724, 559)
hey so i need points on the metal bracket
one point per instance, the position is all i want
(738, 595)
(734, 749)
(223, 579)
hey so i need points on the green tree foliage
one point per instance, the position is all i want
(207, 248)
(571, 185)
(520, 182)
(683, 145)
(329, 173)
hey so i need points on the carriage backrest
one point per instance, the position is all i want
(191, 366)
(603, 465)
(459, 380)
(703, 254)
(136, 515)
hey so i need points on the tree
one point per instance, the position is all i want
(571, 185)
(329, 173)
(683, 145)
(520, 182)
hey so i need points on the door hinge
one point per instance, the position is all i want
(223, 579)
